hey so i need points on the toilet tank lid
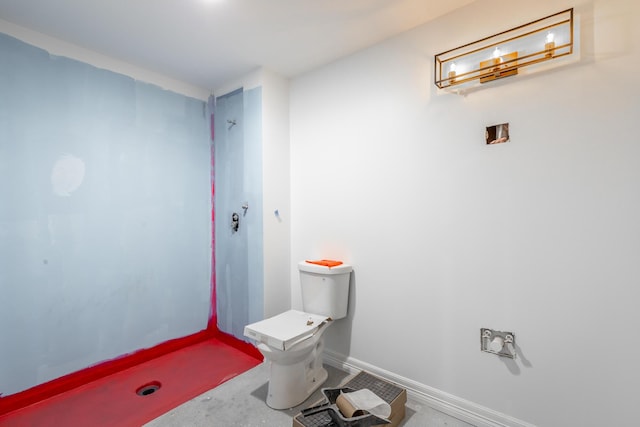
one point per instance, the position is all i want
(321, 269)
(286, 329)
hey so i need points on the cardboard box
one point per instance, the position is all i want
(387, 391)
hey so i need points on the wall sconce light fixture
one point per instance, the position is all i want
(503, 54)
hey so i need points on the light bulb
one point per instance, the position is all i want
(549, 45)
(497, 53)
(452, 73)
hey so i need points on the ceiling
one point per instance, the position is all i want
(207, 43)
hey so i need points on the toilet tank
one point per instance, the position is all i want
(325, 290)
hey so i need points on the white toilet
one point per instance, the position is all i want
(292, 342)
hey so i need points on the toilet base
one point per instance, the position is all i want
(290, 385)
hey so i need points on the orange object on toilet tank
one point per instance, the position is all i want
(325, 262)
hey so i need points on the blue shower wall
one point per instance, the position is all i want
(238, 181)
(253, 186)
(105, 226)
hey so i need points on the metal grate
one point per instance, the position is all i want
(387, 392)
(319, 419)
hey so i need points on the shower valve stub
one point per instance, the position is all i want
(235, 222)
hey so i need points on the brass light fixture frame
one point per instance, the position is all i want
(503, 65)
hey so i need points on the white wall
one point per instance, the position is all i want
(276, 193)
(447, 235)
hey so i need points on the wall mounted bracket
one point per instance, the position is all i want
(501, 343)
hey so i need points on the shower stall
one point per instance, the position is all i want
(238, 201)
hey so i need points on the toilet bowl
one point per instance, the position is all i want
(292, 342)
(293, 350)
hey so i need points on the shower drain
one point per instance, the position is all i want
(148, 389)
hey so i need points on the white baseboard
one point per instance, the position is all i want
(446, 403)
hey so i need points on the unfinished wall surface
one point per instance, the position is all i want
(238, 183)
(252, 165)
(447, 235)
(105, 224)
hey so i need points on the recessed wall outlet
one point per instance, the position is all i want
(502, 343)
(497, 134)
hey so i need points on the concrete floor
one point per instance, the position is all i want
(240, 402)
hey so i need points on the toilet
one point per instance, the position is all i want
(292, 342)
